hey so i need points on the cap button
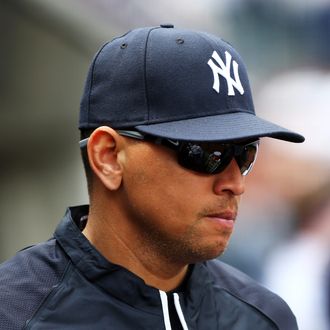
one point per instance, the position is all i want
(167, 26)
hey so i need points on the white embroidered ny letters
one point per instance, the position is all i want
(224, 70)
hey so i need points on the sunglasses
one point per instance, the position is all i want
(202, 157)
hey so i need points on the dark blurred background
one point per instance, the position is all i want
(46, 47)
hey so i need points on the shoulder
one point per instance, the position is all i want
(244, 288)
(26, 279)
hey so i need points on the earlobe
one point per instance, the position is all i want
(103, 151)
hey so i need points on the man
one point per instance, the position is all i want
(168, 134)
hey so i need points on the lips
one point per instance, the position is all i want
(227, 215)
(223, 220)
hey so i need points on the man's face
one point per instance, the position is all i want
(176, 213)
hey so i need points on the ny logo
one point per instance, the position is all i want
(224, 70)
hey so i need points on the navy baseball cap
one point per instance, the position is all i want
(174, 83)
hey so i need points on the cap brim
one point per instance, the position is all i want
(225, 127)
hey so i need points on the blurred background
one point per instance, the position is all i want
(282, 236)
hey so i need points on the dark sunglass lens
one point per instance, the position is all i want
(211, 158)
(191, 156)
(246, 157)
(218, 159)
(205, 158)
(213, 161)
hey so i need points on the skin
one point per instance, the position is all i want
(152, 216)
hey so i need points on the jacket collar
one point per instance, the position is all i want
(115, 279)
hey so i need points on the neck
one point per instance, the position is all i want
(121, 245)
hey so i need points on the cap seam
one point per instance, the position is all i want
(145, 70)
(188, 116)
(168, 120)
(92, 79)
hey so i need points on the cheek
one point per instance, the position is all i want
(162, 194)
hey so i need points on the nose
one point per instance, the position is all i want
(229, 181)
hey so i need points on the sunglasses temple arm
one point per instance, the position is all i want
(131, 134)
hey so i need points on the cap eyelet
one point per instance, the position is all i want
(179, 41)
(123, 46)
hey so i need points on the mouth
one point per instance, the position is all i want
(224, 219)
(227, 215)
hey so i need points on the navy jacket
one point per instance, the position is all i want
(65, 283)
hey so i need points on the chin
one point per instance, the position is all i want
(216, 254)
(209, 252)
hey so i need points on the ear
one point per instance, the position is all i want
(103, 149)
